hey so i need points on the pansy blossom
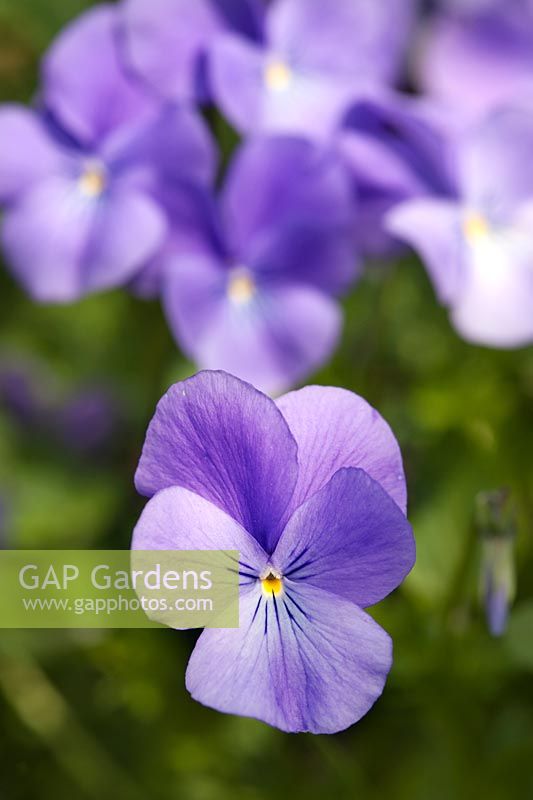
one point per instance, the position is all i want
(311, 492)
(77, 177)
(478, 248)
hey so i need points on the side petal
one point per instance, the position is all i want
(27, 153)
(177, 519)
(273, 340)
(433, 229)
(175, 145)
(193, 232)
(343, 38)
(309, 106)
(335, 428)
(224, 440)
(165, 40)
(44, 237)
(304, 661)
(236, 74)
(85, 85)
(350, 539)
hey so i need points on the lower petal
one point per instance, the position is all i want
(62, 245)
(495, 306)
(273, 340)
(44, 236)
(305, 660)
(128, 230)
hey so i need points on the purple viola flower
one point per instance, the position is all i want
(315, 57)
(311, 492)
(78, 181)
(166, 41)
(250, 285)
(477, 55)
(397, 149)
(478, 248)
(87, 422)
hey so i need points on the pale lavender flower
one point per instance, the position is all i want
(78, 181)
(478, 248)
(250, 285)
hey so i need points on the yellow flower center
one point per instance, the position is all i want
(241, 286)
(278, 76)
(475, 227)
(93, 180)
(272, 583)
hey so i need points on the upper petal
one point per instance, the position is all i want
(336, 428)
(321, 256)
(165, 39)
(27, 152)
(224, 440)
(85, 84)
(300, 184)
(173, 145)
(351, 38)
(395, 145)
(282, 333)
(477, 61)
(349, 538)
(496, 165)
(305, 661)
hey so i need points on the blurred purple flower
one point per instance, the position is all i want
(251, 286)
(396, 148)
(78, 182)
(478, 55)
(84, 421)
(311, 493)
(316, 56)
(166, 41)
(478, 249)
(18, 394)
(88, 421)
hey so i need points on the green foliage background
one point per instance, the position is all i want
(105, 714)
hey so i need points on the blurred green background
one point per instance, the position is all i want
(105, 714)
